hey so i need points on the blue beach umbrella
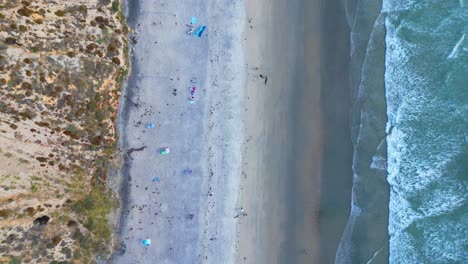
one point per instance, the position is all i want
(150, 125)
(193, 20)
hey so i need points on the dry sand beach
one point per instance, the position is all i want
(254, 138)
(189, 218)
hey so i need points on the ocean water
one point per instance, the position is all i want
(426, 83)
(409, 127)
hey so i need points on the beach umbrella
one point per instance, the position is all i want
(150, 125)
(146, 242)
(155, 179)
(165, 150)
(193, 20)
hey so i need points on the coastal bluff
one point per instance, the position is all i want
(61, 67)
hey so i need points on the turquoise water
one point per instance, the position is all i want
(409, 79)
(426, 83)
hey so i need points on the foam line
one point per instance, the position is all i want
(455, 49)
(375, 255)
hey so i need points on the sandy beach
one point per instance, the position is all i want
(254, 138)
(189, 218)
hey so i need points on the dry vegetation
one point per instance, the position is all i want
(61, 65)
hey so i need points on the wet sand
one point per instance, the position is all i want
(283, 133)
(336, 182)
(298, 150)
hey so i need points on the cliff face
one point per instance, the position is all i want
(61, 66)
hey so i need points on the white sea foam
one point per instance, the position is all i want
(397, 5)
(378, 162)
(343, 253)
(454, 52)
(440, 242)
(402, 249)
(445, 241)
(401, 213)
(426, 136)
(375, 255)
(441, 202)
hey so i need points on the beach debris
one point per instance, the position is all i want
(165, 150)
(150, 125)
(199, 31)
(193, 81)
(146, 242)
(187, 171)
(155, 179)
